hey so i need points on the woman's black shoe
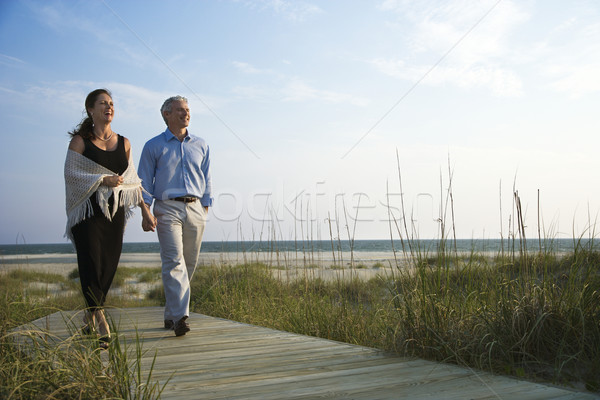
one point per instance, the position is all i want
(104, 341)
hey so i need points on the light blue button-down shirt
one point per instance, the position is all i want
(169, 168)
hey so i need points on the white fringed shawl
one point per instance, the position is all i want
(83, 177)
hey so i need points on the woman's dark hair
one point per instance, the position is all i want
(84, 129)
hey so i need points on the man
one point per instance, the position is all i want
(175, 172)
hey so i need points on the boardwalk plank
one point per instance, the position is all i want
(221, 359)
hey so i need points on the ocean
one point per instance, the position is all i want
(559, 246)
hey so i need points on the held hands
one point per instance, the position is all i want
(149, 223)
(112, 181)
(148, 220)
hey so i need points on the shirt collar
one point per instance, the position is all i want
(168, 135)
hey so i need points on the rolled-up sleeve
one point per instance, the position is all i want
(207, 199)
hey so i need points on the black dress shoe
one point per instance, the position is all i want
(181, 327)
(169, 324)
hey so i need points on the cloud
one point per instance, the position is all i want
(137, 99)
(67, 98)
(297, 90)
(8, 91)
(253, 92)
(470, 40)
(570, 58)
(566, 59)
(574, 80)
(114, 33)
(10, 61)
(60, 95)
(292, 10)
(249, 69)
(502, 82)
(290, 89)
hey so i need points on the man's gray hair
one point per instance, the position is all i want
(167, 105)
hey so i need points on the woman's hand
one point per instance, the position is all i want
(112, 181)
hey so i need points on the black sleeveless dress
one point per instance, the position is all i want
(98, 241)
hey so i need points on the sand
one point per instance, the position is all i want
(288, 265)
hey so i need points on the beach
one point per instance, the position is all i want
(321, 264)
(63, 264)
(367, 255)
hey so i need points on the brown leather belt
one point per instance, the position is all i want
(185, 199)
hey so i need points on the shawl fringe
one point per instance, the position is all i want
(83, 177)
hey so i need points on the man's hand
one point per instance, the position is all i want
(148, 220)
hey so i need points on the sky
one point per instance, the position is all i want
(325, 119)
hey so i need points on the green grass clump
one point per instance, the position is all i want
(35, 365)
(250, 294)
(536, 316)
(21, 275)
(533, 315)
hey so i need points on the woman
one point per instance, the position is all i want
(102, 187)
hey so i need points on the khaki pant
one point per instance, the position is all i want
(180, 227)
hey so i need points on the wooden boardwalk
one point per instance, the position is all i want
(221, 359)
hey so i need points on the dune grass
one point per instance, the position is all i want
(533, 315)
(35, 365)
(536, 317)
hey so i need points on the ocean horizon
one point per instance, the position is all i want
(429, 245)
